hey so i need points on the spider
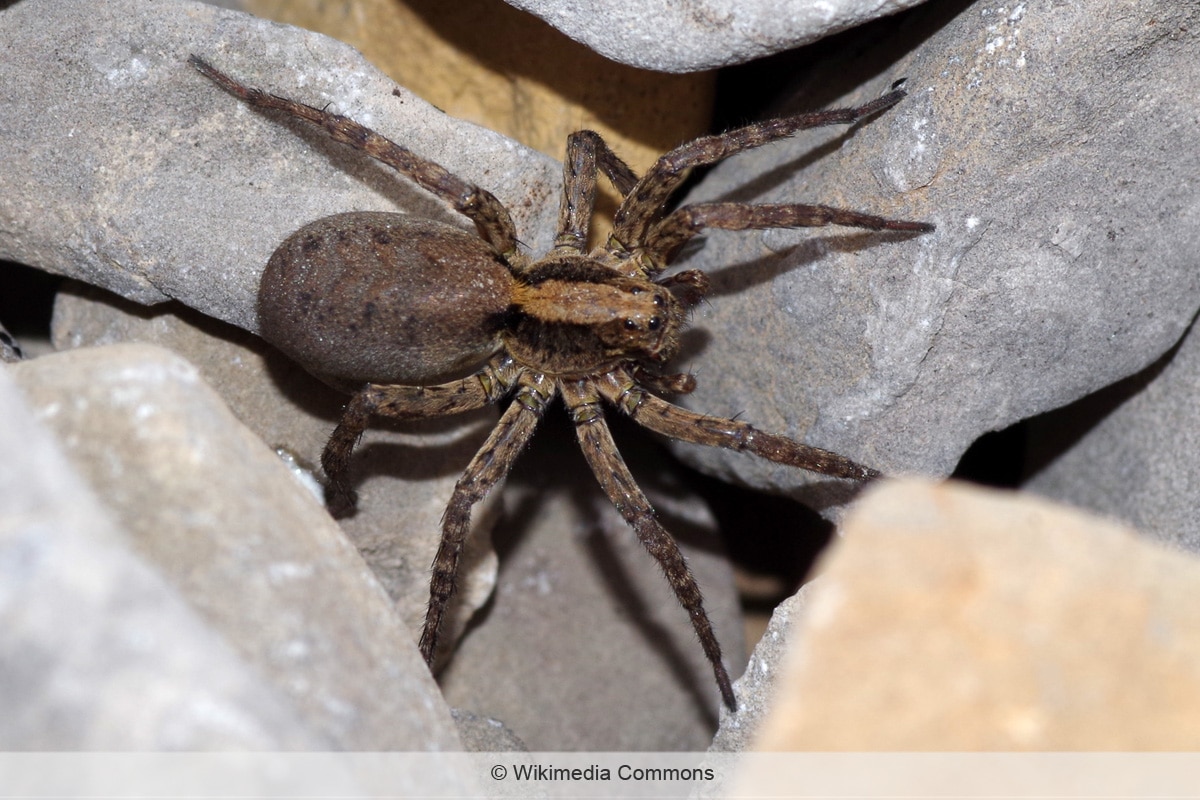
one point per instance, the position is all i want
(418, 318)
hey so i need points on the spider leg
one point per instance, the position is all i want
(587, 152)
(636, 214)
(668, 235)
(670, 420)
(609, 468)
(665, 383)
(689, 286)
(480, 206)
(493, 461)
(488, 385)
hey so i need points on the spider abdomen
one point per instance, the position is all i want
(384, 298)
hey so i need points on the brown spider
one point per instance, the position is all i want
(418, 318)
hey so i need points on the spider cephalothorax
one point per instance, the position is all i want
(418, 318)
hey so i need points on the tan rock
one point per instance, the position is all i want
(957, 618)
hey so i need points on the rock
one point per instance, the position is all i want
(1138, 463)
(248, 546)
(956, 618)
(404, 474)
(1046, 142)
(756, 688)
(486, 735)
(10, 351)
(144, 178)
(685, 37)
(100, 653)
(584, 646)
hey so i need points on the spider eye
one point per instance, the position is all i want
(630, 325)
(655, 323)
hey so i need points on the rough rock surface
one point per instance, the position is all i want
(1054, 147)
(672, 36)
(1138, 463)
(756, 688)
(584, 646)
(485, 735)
(956, 618)
(242, 541)
(99, 652)
(137, 174)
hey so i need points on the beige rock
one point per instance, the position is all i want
(248, 546)
(956, 618)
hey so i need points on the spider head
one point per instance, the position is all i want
(643, 322)
(573, 316)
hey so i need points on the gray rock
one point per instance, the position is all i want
(584, 646)
(1138, 463)
(485, 735)
(98, 651)
(756, 688)
(137, 174)
(702, 34)
(247, 545)
(10, 350)
(1050, 144)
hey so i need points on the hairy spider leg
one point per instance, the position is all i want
(665, 238)
(480, 206)
(595, 439)
(619, 389)
(587, 153)
(489, 385)
(638, 212)
(493, 461)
